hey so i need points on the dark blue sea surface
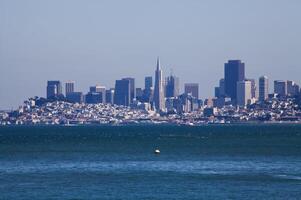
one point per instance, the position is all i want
(118, 162)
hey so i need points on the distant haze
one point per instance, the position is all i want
(97, 41)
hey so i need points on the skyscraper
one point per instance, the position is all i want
(222, 87)
(280, 87)
(122, 92)
(69, 87)
(192, 88)
(263, 88)
(244, 95)
(54, 89)
(172, 86)
(148, 82)
(110, 96)
(253, 88)
(234, 72)
(292, 88)
(101, 90)
(132, 88)
(139, 94)
(159, 98)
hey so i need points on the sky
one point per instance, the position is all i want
(99, 41)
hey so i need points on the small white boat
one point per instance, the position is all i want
(157, 151)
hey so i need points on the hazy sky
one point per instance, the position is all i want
(101, 41)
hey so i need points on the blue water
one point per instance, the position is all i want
(100, 162)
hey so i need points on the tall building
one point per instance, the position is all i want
(280, 87)
(263, 88)
(292, 88)
(234, 72)
(220, 90)
(217, 92)
(172, 87)
(101, 90)
(54, 89)
(110, 96)
(148, 82)
(69, 87)
(192, 88)
(159, 98)
(139, 94)
(122, 93)
(244, 93)
(222, 87)
(253, 88)
(132, 88)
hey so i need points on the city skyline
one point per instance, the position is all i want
(194, 39)
(60, 86)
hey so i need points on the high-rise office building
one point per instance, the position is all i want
(110, 96)
(139, 94)
(54, 89)
(217, 92)
(222, 87)
(172, 87)
(234, 72)
(220, 90)
(280, 87)
(148, 91)
(263, 88)
(159, 98)
(69, 87)
(253, 88)
(122, 93)
(192, 88)
(148, 82)
(132, 88)
(101, 90)
(292, 88)
(244, 93)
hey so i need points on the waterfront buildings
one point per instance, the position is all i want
(263, 88)
(192, 88)
(166, 99)
(234, 71)
(244, 92)
(159, 99)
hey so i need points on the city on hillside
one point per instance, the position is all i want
(238, 99)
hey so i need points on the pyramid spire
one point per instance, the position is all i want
(158, 63)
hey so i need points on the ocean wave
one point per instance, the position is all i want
(225, 168)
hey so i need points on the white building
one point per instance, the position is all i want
(244, 95)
